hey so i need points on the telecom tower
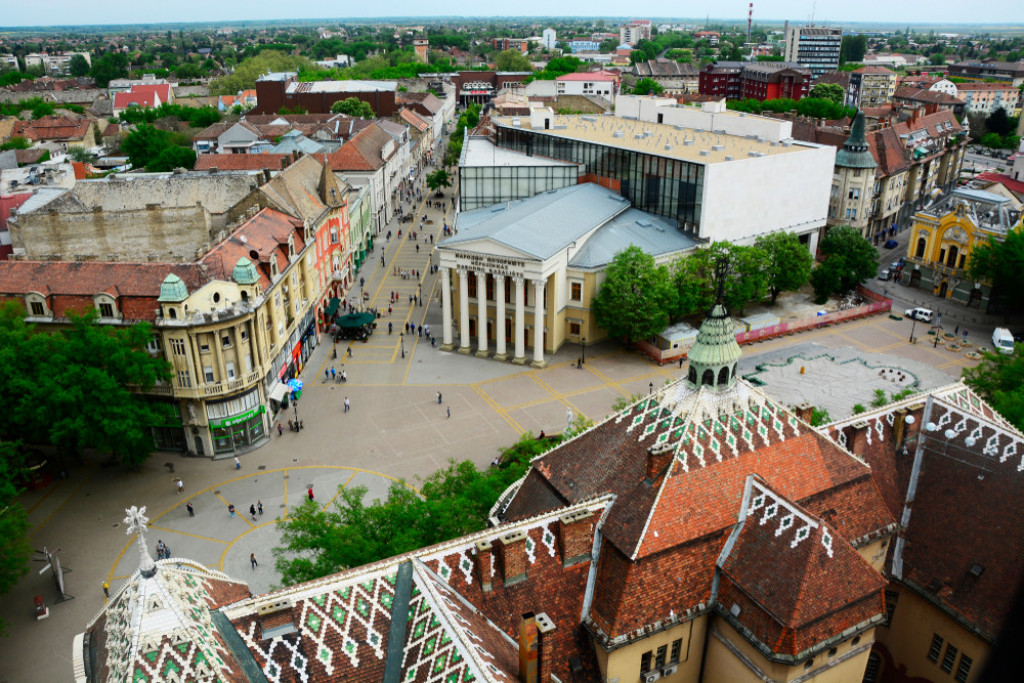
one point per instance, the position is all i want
(750, 19)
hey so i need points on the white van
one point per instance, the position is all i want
(1002, 340)
(922, 314)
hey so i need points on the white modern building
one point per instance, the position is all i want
(599, 83)
(55, 62)
(816, 47)
(549, 38)
(489, 174)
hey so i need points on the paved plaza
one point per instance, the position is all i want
(395, 430)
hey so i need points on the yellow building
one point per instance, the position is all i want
(543, 259)
(942, 237)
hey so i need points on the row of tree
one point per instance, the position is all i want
(640, 298)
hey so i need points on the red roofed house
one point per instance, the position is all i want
(58, 132)
(601, 83)
(151, 96)
(372, 156)
(704, 533)
(8, 203)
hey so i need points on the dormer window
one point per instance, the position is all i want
(107, 306)
(273, 267)
(291, 246)
(36, 305)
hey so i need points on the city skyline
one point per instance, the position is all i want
(824, 12)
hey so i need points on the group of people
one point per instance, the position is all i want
(162, 551)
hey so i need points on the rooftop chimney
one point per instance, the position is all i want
(859, 442)
(484, 564)
(529, 649)
(514, 557)
(576, 533)
(657, 462)
(804, 411)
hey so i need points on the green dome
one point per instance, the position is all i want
(172, 290)
(715, 351)
(245, 272)
(855, 152)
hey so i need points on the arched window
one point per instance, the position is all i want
(245, 296)
(723, 377)
(734, 370)
(693, 375)
(172, 313)
(708, 378)
(921, 244)
(951, 257)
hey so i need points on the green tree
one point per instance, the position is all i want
(79, 154)
(853, 49)
(637, 297)
(833, 92)
(787, 262)
(453, 502)
(245, 74)
(172, 157)
(849, 260)
(1002, 263)
(109, 67)
(608, 45)
(999, 379)
(353, 106)
(16, 142)
(187, 70)
(78, 66)
(154, 149)
(512, 60)
(14, 548)
(693, 278)
(937, 59)
(648, 86)
(438, 180)
(999, 123)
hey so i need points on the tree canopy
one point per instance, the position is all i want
(1003, 264)
(853, 49)
(648, 86)
(78, 66)
(245, 74)
(353, 106)
(14, 547)
(109, 67)
(811, 107)
(197, 117)
(787, 263)
(833, 92)
(512, 60)
(453, 502)
(158, 150)
(438, 180)
(999, 379)
(636, 298)
(849, 260)
(694, 278)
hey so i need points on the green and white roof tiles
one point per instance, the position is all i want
(716, 342)
(173, 289)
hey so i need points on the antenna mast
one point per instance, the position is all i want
(750, 18)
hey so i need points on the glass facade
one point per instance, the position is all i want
(659, 185)
(485, 185)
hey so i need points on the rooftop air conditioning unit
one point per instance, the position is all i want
(651, 676)
(670, 669)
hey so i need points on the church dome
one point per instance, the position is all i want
(245, 272)
(172, 290)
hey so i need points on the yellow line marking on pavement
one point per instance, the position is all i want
(238, 513)
(236, 539)
(502, 413)
(185, 533)
(63, 503)
(338, 492)
(43, 499)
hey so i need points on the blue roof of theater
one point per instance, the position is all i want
(547, 223)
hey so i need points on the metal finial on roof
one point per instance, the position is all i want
(722, 270)
(135, 523)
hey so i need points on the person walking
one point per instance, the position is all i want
(389, 328)
(327, 374)
(439, 398)
(280, 429)
(181, 486)
(252, 560)
(238, 465)
(252, 512)
(259, 506)
(333, 375)
(309, 492)
(231, 509)
(106, 591)
(347, 404)
(191, 510)
(449, 411)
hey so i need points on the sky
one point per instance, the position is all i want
(833, 12)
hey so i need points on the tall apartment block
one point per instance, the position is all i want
(815, 47)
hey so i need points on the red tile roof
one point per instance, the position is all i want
(54, 128)
(123, 100)
(1015, 186)
(362, 152)
(241, 162)
(261, 239)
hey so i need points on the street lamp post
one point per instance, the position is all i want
(650, 388)
(913, 327)
(583, 349)
(401, 341)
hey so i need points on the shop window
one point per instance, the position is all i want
(576, 291)
(208, 374)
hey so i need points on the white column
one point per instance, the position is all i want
(538, 323)
(499, 317)
(463, 310)
(520, 356)
(481, 314)
(446, 306)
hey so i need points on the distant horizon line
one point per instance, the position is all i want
(412, 18)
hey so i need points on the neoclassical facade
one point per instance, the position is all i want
(526, 271)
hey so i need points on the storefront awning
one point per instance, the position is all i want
(332, 307)
(279, 392)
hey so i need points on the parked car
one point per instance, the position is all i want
(923, 314)
(895, 265)
(883, 275)
(891, 244)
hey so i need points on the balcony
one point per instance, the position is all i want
(213, 390)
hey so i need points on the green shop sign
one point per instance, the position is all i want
(238, 419)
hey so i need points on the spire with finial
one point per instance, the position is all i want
(714, 355)
(855, 152)
(135, 523)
